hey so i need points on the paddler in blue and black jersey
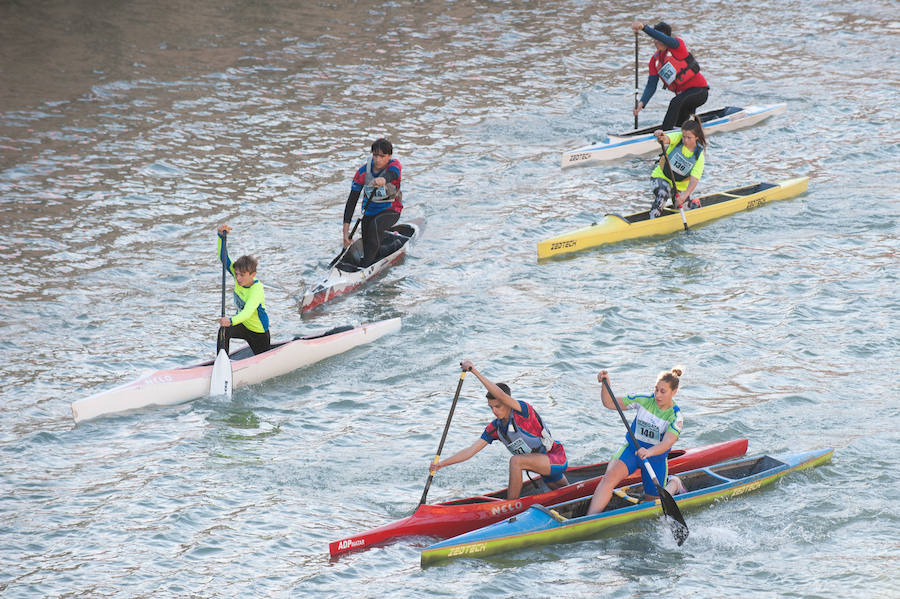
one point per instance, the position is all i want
(251, 323)
(519, 427)
(379, 182)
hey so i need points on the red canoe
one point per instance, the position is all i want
(456, 517)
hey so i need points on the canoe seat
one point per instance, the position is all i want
(552, 513)
(390, 243)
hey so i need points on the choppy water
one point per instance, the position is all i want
(129, 130)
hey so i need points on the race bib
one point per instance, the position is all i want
(680, 163)
(667, 73)
(518, 447)
(648, 432)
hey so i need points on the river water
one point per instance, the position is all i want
(129, 130)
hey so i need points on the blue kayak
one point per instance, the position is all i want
(566, 522)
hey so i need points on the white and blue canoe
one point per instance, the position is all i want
(641, 141)
(177, 385)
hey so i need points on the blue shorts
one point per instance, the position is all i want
(659, 463)
(558, 463)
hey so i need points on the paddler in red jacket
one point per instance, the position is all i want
(679, 72)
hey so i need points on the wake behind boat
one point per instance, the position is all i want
(455, 517)
(178, 385)
(347, 274)
(641, 141)
(614, 228)
(567, 522)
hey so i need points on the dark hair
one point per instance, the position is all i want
(503, 387)
(246, 264)
(382, 146)
(693, 125)
(671, 377)
(663, 27)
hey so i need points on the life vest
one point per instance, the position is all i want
(681, 164)
(520, 442)
(675, 72)
(381, 194)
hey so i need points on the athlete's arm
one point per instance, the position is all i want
(659, 36)
(460, 456)
(660, 448)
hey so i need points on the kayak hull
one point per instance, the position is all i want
(179, 385)
(452, 518)
(564, 522)
(346, 276)
(614, 228)
(641, 141)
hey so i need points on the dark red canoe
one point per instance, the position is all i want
(452, 518)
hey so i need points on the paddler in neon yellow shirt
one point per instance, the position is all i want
(251, 323)
(686, 150)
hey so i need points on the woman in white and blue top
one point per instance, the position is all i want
(657, 426)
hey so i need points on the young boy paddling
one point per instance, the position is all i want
(519, 427)
(251, 323)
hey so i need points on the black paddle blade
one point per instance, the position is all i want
(673, 515)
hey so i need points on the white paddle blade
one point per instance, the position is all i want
(220, 382)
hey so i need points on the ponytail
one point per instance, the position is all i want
(694, 126)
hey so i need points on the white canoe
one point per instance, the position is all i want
(346, 275)
(178, 385)
(641, 141)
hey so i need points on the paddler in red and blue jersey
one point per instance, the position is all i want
(379, 182)
(657, 426)
(519, 427)
(679, 71)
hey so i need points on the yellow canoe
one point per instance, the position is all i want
(614, 228)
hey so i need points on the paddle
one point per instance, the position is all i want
(670, 508)
(671, 174)
(635, 78)
(353, 230)
(220, 381)
(437, 456)
(341, 255)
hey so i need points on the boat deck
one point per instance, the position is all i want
(692, 481)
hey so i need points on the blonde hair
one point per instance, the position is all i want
(671, 377)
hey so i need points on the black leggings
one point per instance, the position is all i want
(373, 228)
(259, 342)
(683, 106)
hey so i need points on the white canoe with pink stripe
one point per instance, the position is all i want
(178, 385)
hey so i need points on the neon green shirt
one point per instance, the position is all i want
(696, 171)
(250, 301)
